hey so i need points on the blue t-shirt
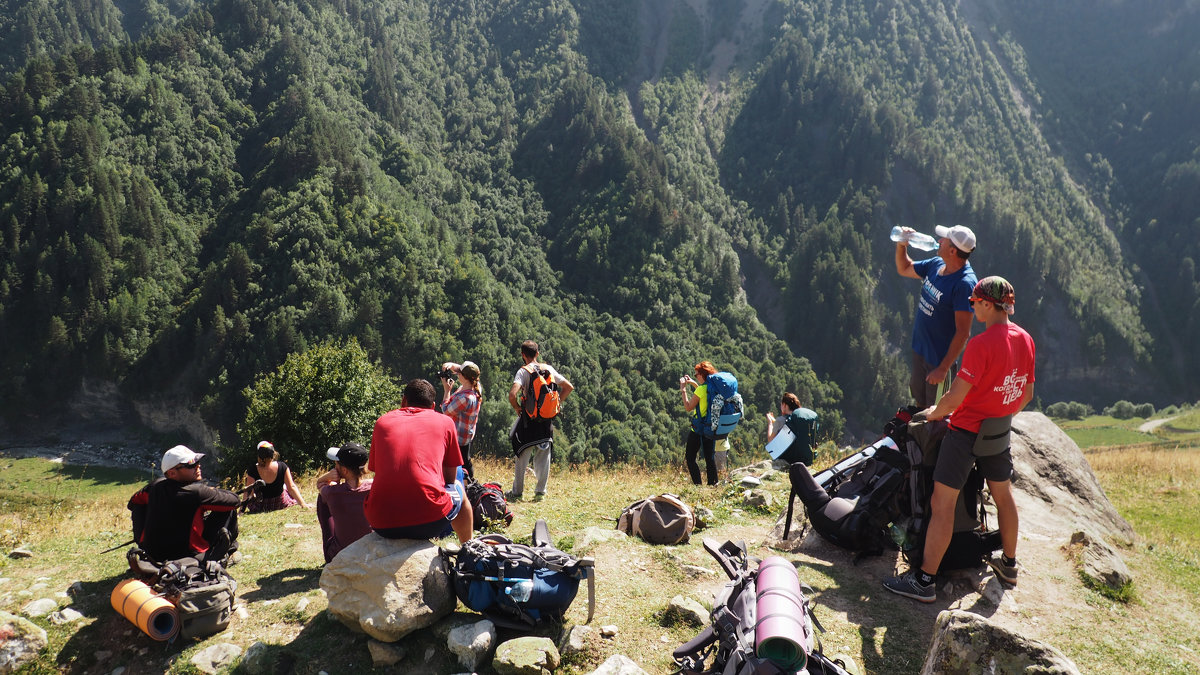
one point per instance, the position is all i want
(941, 297)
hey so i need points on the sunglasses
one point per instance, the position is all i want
(193, 465)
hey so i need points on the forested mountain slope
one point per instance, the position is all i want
(189, 192)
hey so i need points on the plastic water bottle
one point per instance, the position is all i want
(520, 591)
(914, 239)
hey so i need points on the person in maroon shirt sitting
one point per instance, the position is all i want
(417, 492)
(341, 494)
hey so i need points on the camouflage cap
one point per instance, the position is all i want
(996, 290)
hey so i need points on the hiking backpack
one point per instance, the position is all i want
(488, 504)
(804, 427)
(880, 497)
(972, 541)
(202, 591)
(661, 519)
(762, 622)
(724, 407)
(863, 498)
(518, 586)
(541, 393)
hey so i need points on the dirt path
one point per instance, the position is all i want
(1150, 425)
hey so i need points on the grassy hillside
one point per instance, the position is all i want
(66, 515)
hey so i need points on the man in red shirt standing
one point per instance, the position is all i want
(995, 381)
(417, 492)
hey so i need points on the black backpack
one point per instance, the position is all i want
(880, 498)
(732, 645)
(519, 586)
(972, 541)
(861, 501)
(488, 504)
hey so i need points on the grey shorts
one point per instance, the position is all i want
(955, 460)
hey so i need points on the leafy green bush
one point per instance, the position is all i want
(1060, 410)
(1078, 411)
(1121, 410)
(328, 395)
(1145, 410)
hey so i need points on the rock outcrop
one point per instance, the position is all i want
(969, 644)
(387, 588)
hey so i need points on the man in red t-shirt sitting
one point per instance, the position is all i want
(995, 381)
(417, 492)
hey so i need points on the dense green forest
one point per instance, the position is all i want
(192, 191)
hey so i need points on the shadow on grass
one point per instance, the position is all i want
(111, 640)
(896, 632)
(284, 583)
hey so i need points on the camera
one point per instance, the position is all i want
(447, 374)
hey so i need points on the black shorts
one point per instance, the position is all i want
(955, 460)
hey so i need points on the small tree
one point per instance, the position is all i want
(324, 397)
(1121, 410)
(1078, 411)
(1144, 410)
(1060, 410)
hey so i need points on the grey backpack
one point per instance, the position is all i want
(661, 519)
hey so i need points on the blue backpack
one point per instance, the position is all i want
(520, 586)
(724, 407)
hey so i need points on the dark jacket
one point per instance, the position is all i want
(169, 517)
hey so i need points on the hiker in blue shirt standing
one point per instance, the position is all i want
(943, 317)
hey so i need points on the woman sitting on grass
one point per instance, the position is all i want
(280, 490)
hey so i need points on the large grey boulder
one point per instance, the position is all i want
(1050, 469)
(968, 644)
(22, 640)
(387, 588)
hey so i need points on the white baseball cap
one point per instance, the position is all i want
(959, 235)
(180, 454)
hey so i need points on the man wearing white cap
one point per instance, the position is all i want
(178, 516)
(943, 317)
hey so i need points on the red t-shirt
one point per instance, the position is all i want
(998, 363)
(410, 448)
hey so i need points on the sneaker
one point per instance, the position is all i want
(539, 496)
(1005, 573)
(508, 496)
(908, 586)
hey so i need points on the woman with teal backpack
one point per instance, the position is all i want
(697, 405)
(803, 424)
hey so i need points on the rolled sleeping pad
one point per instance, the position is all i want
(153, 614)
(781, 633)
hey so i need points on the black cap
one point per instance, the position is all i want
(352, 455)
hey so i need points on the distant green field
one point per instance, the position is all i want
(1187, 422)
(1091, 437)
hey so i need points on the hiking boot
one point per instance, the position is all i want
(508, 496)
(539, 496)
(910, 587)
(1005, 573)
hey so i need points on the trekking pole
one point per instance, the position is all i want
(110, 550)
